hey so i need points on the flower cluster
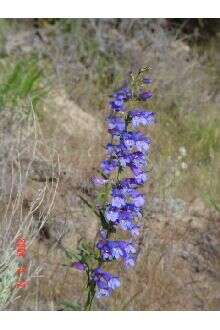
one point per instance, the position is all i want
(126, 153)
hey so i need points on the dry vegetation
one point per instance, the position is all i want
(55, 79)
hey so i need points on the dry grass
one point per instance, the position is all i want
(24, 210)
(46, 165)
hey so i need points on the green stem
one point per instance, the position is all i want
(90, 297)
(91, 293)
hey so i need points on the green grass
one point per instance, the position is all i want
(200, 135)
(212, 202)
(21, 84)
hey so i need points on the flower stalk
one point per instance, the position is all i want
(123, 172)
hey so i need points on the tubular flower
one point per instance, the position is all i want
(105, 282)
(110, 250)
(98, 182)
(115, 125)
(119, 98)
(79, 266)
(144, 96)
(147, 81)
(139, 117)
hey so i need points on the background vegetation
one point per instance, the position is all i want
(56, 77)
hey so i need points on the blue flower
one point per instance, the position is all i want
(138, 160)
(105, 282)
(119, 98)
(127, 183)
(147, 81)
(141, 178)
(136, 140)
(98, 182)
(119, 152)
(110, 250)
(109, 166)
(112, 214)
(142, 142)
(144, 96)
(123, 93)
(118, 201)
(79, 266)
(125, 216)
(137, 198)
(139, 117)
(136, 211)
(127, 153)
(129, 226)
(116, 125)
(135, 230)
(117, 105)
(120, 196)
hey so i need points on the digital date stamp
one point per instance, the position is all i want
(21, 250)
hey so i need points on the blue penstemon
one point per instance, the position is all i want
(123, 172)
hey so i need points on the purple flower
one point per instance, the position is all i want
(126, 159)
(135, 160)
(133, 182)
(128, 138)
(115, 125)
(109, 166)
(105, 282)
(117, 105)
(136, 211)
(79, 266)
(141, 178)
(147, 81)
(118, 201)
(97, 181)
(138, 200)
(142, 143)
(124, 216)
(120, 196)
(145, 95)
(119, 152)
(119, 98)
(139, 117)
(110, 250)
(123, 93)
(103, 233)
(127, 183)
(138, 159)
(129, 226)
(135, 230)
(111, 214)
(136, 140)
